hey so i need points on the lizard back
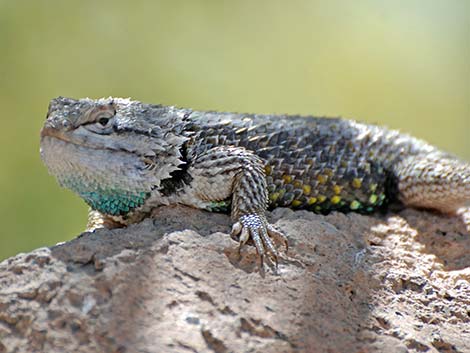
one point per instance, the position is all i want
(318, 164)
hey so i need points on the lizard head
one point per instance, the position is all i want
(112, 152)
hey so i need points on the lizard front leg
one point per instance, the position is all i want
(233, 172)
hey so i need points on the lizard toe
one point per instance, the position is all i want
(263, 235)
(278, 235)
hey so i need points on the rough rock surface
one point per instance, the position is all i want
(350, 283)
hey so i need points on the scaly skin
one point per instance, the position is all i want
(125, 158)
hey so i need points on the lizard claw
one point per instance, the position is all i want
(261, 233)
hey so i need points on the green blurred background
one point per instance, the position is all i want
(405, 64)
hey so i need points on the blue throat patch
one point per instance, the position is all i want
(114, 202)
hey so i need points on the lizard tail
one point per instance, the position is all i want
(436, 182)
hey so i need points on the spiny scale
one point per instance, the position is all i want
(318, 164)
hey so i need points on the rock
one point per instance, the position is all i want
(349, 283)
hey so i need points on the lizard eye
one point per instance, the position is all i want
(102, 124)
(103, 121)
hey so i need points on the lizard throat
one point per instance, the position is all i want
(111, 183)
(111, 202)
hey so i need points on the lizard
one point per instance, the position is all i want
(125, 158)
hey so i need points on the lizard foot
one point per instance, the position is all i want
(261, 233)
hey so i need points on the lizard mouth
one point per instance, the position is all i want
(89, 142)
(53, 133)
(48, 131)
